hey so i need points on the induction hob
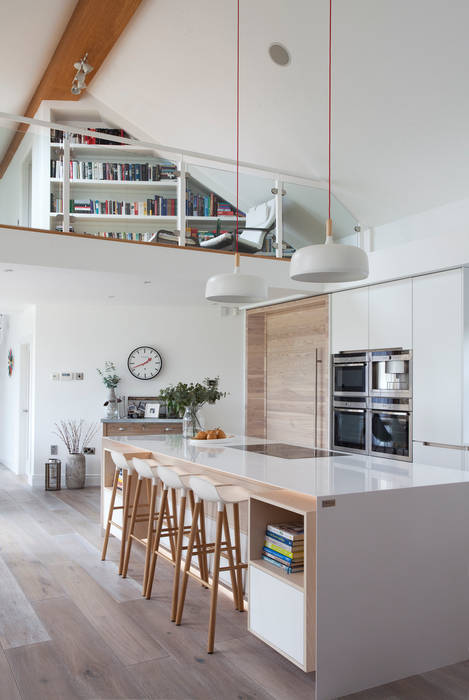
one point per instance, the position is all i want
(285, 451)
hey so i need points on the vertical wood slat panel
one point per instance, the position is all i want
(281, 346)
(255, 375)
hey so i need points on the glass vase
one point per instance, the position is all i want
(190, 422)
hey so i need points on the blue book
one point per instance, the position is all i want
(280, 538)
(284, 567)
(277, 555)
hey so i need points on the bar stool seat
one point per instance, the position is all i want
(176, 478)
(208, 489)
(125, 465)
(144, 469)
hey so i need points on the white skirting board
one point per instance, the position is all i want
(392, 586)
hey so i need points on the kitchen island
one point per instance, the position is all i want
(384, 594)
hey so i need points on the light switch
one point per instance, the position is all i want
(55, 376)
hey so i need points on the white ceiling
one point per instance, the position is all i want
(401, 107)
(29, 33)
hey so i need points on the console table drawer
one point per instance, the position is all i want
(139, 428)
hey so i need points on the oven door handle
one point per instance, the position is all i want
(351, 410)
(351, 364)
(391, 413)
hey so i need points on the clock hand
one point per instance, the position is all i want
(142, 363)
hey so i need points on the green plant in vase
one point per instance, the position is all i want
(110, 380)
(187, 399)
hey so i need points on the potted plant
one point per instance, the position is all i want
(76, 435)
(110, 380)
(186, 400)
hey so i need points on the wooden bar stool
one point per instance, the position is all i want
(206, 489)
(174, 479)
(121, 463)
(143, 468)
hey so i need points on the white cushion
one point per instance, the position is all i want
(215, 242)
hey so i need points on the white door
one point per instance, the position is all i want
(25, 409)
(350, 320)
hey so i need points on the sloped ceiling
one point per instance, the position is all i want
(401, 107)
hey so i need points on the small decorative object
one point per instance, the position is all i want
(144, 362)
(76, 435)
(136, 405)
(110, 380)
(152, 410)
(187, 399)
(53, 474)
(11, 362)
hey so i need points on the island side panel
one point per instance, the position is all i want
(392, 586)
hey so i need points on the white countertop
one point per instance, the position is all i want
(320, 477)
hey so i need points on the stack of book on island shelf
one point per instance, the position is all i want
(284, 546)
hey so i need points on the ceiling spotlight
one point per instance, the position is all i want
(8, 269)
(82, 68)
(147, 282)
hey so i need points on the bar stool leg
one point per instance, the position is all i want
(229, 554)
(216, 570)
(109, 517)
(239, 572)
(148, 549)
(177, 565)
(169, 524)
(126, 485)
(204, 540)
(200, 558)
(187, 566)
(159, 527)
(131, 528)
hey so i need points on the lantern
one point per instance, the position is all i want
(52, 473)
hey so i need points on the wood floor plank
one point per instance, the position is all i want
(19, 624)
(129, 642)
(40, 673)
(8, 688)
(88, 658)
(269, 669)
(209, 679)
(105, 573)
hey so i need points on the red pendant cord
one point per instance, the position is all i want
(330, 98)
(237, 132)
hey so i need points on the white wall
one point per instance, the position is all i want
(20, 329)
(194, 341)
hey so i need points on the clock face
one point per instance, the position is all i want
(144, 362)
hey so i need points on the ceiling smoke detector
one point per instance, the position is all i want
(279, 54)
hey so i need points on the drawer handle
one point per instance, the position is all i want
(167, 430)
(120, 428)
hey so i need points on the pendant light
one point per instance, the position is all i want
(234, 287)
(329, 261)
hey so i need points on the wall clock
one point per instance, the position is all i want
(144, 362)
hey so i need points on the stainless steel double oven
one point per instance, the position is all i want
(372, 403)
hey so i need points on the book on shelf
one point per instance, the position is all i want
(112, 172)
(57, 136)
(156, 206)
(122, 235)
(207, 205)
(287, 569)
(284, 546)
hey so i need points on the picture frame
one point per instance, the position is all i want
(152, 410)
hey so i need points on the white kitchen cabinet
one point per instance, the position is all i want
(349, 320)
(276, 613)
(390, 315)
(438, 357)
(435, 456)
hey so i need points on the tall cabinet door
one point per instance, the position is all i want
(297, 363)
(438, 360)
(349, 320)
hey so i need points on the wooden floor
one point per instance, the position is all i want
(70, 627)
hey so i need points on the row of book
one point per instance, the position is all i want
(123, 235)
(156, 206)
(207, 205)
(284, 547)
(57, 136)
(122, 172)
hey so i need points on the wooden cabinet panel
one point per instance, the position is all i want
(438, 357)
(139, 428)
(390, 312)
(255, 375)
(349, 320)
(297, 367)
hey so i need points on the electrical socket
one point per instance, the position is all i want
(89, 451)
(54, 450)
